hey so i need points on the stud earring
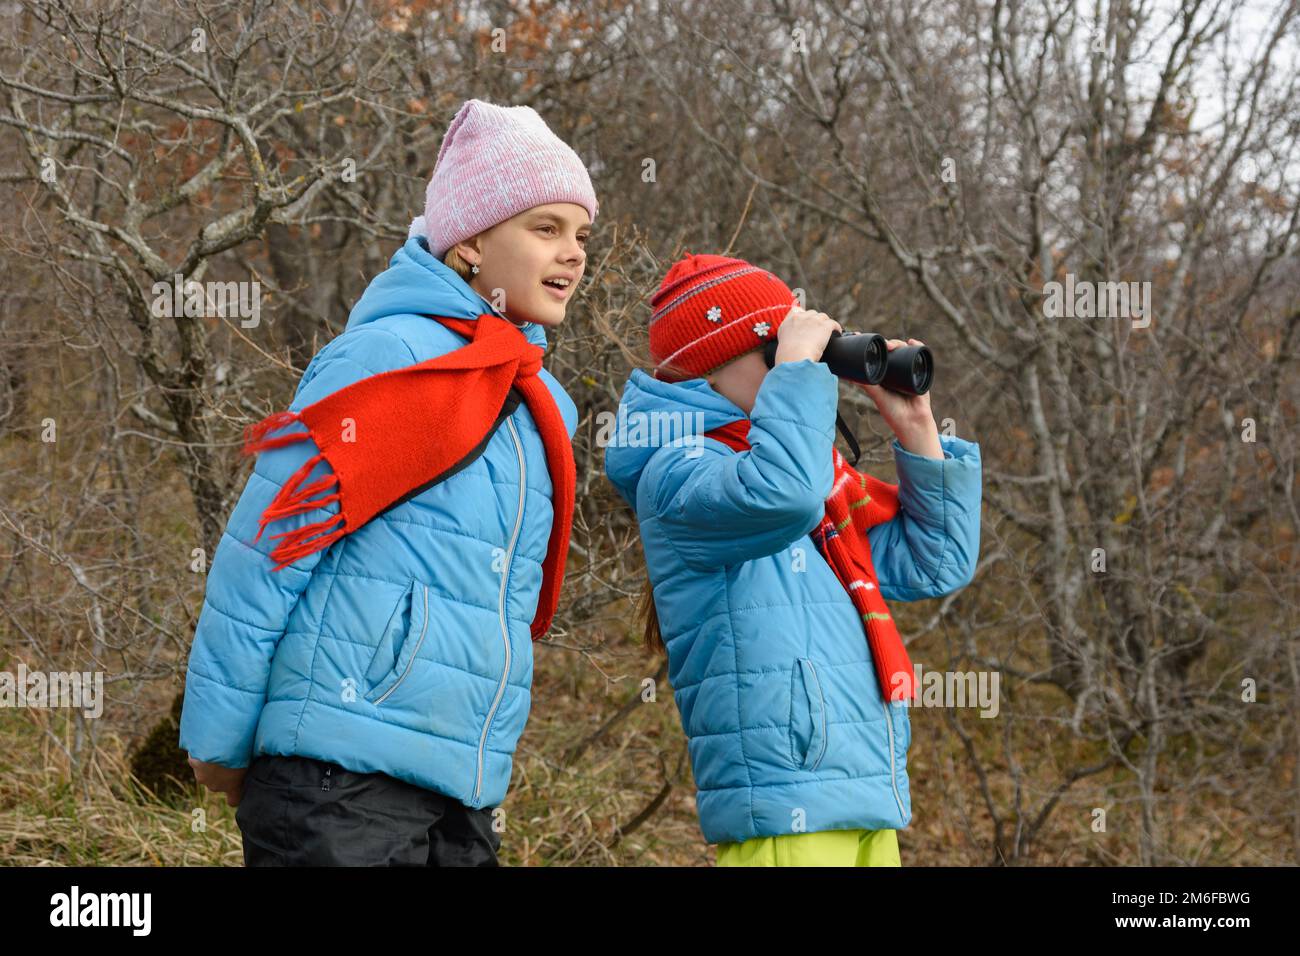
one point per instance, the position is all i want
(474, 269)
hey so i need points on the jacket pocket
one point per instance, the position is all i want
(902, 725)
(403, 635)
(808, 721)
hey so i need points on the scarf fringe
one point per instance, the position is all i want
(296, 544)
(255, 439)
(293, 499)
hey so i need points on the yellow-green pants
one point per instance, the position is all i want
(825, 848)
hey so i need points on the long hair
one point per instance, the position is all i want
(648, 615)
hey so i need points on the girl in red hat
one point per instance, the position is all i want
(770, 561)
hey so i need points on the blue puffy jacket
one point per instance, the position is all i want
(403, 648)
(788, 730)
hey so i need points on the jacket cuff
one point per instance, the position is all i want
(218, 723)
(929, 487)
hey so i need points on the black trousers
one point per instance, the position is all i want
(297, 811)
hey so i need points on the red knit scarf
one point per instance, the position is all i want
(857, 502)
(390, 433)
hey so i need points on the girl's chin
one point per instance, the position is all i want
(544, 317)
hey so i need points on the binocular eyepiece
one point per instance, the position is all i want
(864, 357)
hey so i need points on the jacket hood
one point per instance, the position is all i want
(695, 409)
(416, 282)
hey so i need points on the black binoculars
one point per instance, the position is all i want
(864, 357)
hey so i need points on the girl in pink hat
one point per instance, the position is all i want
(505, 192)
(360, 704)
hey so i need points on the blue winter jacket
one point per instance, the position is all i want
(404, 648)
(788, 730)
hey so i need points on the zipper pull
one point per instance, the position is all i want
(325, 781)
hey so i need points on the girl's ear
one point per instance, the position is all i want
(471, 245)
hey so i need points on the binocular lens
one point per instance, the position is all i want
(874, 359)
(910, 370)
(923, 373)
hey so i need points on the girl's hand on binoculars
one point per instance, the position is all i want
(908, 416)
(803, 334)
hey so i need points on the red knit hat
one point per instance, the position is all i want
(710, 310)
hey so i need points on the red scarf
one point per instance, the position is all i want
(406, 428)
(857, 502)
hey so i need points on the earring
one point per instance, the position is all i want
(474, 269)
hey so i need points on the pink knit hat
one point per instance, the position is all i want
(496, 162)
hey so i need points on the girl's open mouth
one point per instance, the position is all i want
(557, 288)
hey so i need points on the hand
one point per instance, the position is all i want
(803, 334)
(908, 416)
(219, 779)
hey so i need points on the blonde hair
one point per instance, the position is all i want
(458, 265)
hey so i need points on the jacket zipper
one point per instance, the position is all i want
(889, 722)
(411, 662)
(501, 607)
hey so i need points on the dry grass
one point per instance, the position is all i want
(561, 813)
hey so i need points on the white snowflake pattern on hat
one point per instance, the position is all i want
(714, 314)
(761, 328)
